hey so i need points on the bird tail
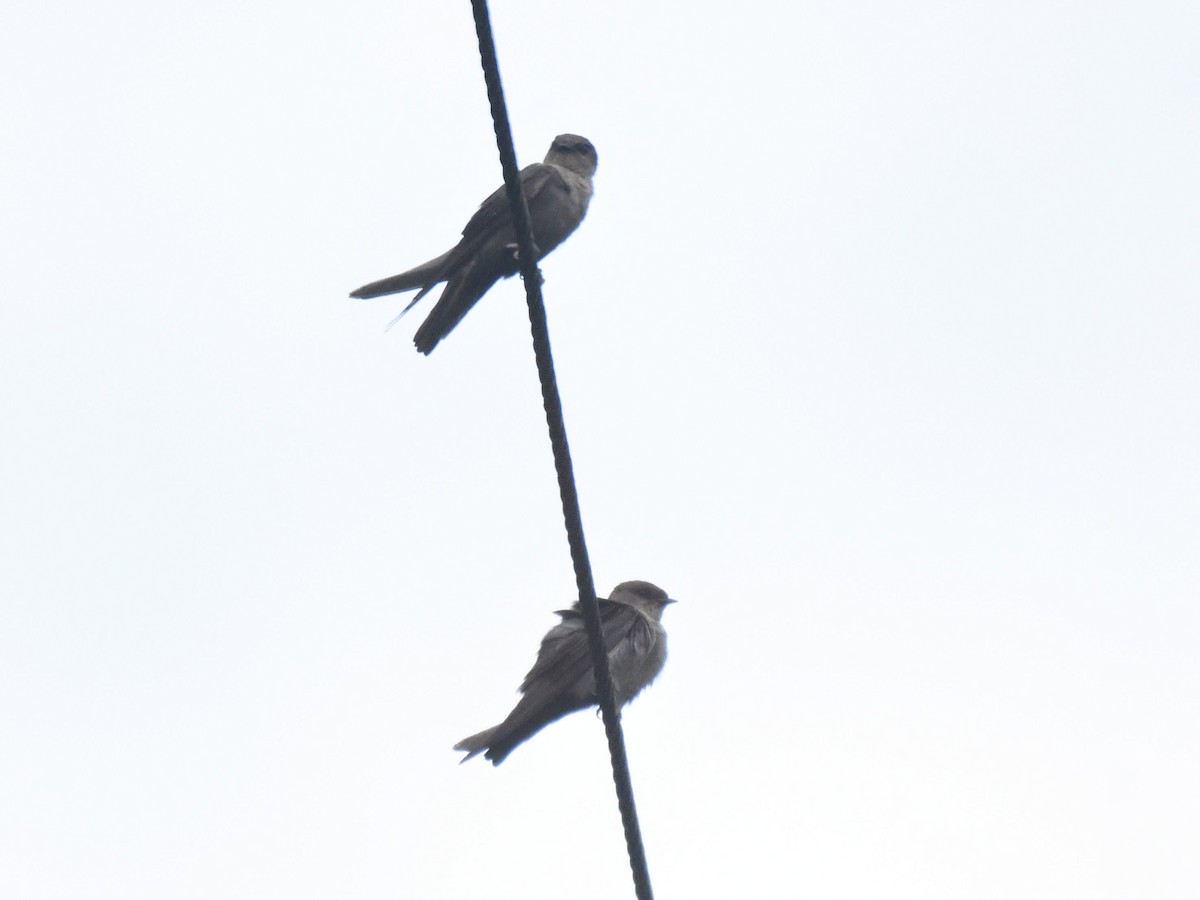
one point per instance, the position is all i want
(424, 276)
(496, 743)
(528, 717)
(400, 315)
(476, 743)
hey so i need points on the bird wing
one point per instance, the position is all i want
(494, 213)
(494, 217)
(564, 657)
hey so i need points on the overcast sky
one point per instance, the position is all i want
(879, 350)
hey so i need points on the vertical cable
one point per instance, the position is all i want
(562, 453)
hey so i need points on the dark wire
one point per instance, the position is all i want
(562, 453)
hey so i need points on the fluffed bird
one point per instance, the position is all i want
(563, 680)
(557, 192)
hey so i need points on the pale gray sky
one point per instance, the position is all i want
(879, 350)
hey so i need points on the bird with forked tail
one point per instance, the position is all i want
(557, 192)
(563, 680)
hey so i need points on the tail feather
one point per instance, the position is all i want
(496, 743)
(411, 304)
(424, 276)
(396, 284)
(527, 719)
(476, 743)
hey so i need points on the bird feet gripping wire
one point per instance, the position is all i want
(514, 251)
